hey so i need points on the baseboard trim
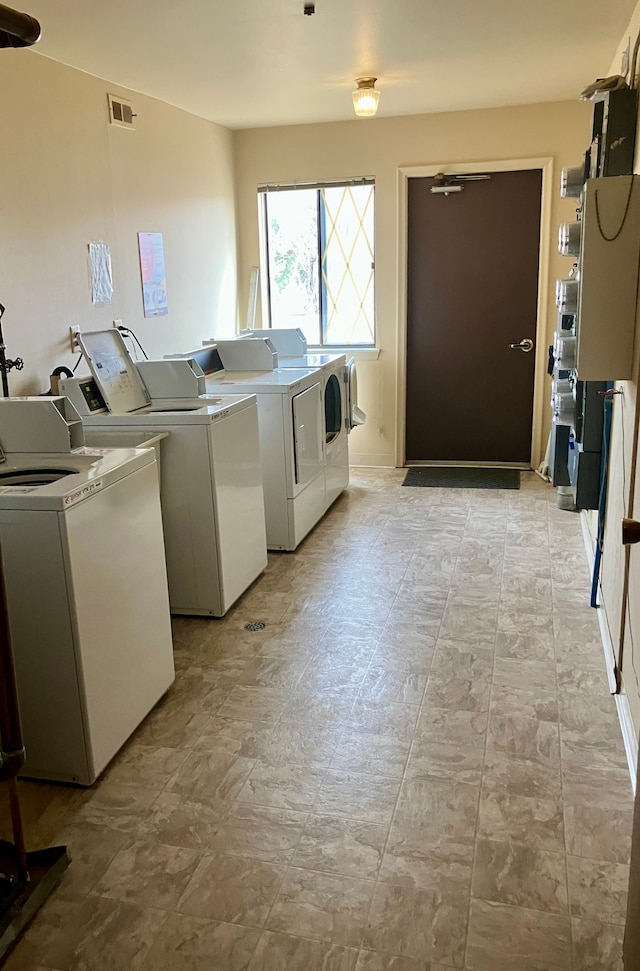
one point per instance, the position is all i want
(372, 460)
(627, 727)
(628, 736)
(589, 542)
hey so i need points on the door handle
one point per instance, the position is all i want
(526, 345)
(630, 532)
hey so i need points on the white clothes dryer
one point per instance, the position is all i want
(339, 393)
(211, 474)
(81, 541)
(290, 421)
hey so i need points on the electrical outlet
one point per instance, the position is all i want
(117, 322)
(73, 340)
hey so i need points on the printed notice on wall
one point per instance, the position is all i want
(154, 283)
(100, 272)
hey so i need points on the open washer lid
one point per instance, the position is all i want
(115, 372)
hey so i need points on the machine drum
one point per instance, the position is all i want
(332, 409)
(34, 477)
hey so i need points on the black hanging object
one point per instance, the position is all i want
(6, 364)
(613, 138)
(17, 29)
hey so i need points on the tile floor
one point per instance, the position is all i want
(415, 766)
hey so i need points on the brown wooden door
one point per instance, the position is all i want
(472, 290)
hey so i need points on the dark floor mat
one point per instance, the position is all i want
(432, 477)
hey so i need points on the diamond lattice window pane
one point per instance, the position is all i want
(348, 265)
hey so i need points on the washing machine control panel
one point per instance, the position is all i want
(83, 394)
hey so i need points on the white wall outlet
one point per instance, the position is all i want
(117, 322)
(73, 340)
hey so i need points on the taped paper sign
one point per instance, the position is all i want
(100, 272)
(154, 283)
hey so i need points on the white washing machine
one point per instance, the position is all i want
(211, 475)
(339, 391)
(81, 541)
(290, 419)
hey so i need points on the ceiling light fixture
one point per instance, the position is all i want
(366, 98)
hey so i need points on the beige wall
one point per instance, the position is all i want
(379, 147)
(67, 178)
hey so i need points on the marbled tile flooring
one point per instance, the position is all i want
(415, 766)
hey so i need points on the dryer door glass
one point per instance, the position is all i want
(332, 409)
(307, 434)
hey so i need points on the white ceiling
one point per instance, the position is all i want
(246, 64)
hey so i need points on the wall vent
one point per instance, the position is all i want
(121, 112)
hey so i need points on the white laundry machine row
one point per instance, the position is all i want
(211, 476)
(291, 438)
(339, 393)
(87, 599)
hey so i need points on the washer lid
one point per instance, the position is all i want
(173, 413)
(115, 372)
(278, 381)
(320, 360)
(58, 481)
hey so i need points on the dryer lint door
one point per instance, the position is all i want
(307, 435)
(355, 415)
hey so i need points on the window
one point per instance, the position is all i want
(320, 260)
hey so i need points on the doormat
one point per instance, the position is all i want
(432, 477)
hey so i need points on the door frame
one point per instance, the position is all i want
(545, 163)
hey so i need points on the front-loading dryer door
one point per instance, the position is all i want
(307, 434)
(335, 415)
(355, 415)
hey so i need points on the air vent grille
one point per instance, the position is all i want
(121, 112)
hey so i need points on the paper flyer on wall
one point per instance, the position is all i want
(100, 272)
(152, 270)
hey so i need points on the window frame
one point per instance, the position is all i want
(263, 192)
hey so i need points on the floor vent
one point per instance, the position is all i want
(121, 112)
(256, 625)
